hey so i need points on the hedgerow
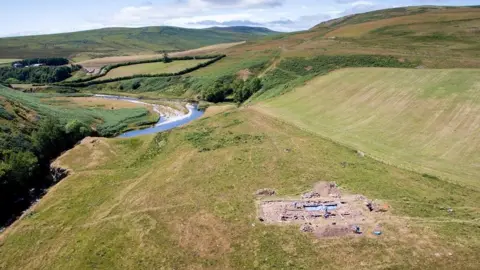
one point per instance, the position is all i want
(89, 81)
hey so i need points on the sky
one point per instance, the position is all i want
(32, 17)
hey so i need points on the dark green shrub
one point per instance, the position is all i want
(136, 85)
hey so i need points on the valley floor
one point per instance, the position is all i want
(186, 199)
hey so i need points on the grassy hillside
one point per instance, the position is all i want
(433, 38)
(386, 14)
(440, 38)
(421, 119)
(168, 201)
(34, 129)
(186, 198)
(107, 121)
(120, 41)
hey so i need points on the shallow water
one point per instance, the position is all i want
(164, 124)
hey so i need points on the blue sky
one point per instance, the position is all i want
(27, 17)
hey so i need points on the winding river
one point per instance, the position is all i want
(165, 123)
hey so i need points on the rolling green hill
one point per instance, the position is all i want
(385, 104)
(118, 41)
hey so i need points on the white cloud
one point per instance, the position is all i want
(234, 3)
(362, 3)
(132, 14)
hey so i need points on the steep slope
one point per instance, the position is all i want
(117, 41)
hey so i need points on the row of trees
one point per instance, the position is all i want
(25, 162)
(226, 86)
(36, 74)
(53, 61)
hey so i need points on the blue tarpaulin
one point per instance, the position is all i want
(321, 207)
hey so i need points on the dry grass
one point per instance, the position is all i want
(427, 120)
(147, 203)
(217, 109)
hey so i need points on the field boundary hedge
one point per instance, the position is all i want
(90, 81)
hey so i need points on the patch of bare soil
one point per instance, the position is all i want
(325, 212)
(244, 74)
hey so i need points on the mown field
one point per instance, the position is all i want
(185, 199)
(151, 68)
(427, 120)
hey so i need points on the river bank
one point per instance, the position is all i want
(169, 117)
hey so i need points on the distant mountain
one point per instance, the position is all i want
(246, 30)
(115, 41)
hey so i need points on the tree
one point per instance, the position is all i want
(213, 94)
(166, 58)
(76, 130)
(136, 85)
(49, 140)
(244, 90)
(255, 85)
(20, 167)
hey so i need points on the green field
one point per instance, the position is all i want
(166, 201)
(7, 61)
(151, 68)
(425, 120)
